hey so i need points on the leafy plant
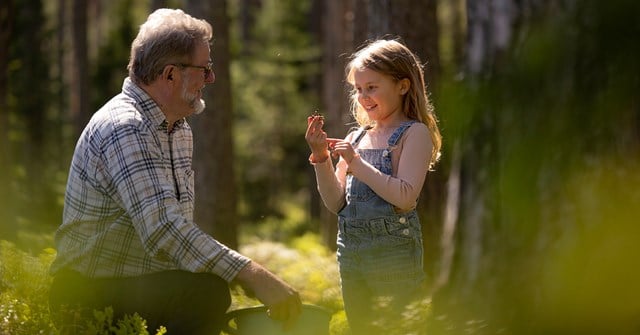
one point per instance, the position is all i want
(24, 289)
(103, 324)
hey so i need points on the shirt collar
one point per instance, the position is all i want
(148, 106)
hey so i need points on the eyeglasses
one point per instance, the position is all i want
(208, 70)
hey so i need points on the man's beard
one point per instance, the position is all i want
(198, 105)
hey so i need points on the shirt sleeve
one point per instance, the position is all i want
(146, 192)
(403, 189)
(330, 185)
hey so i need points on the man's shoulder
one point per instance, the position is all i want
(120, 111)
(118, 119)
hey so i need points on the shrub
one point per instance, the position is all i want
(24, 290)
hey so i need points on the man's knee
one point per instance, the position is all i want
(212, 292)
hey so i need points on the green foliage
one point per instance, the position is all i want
(24, 287)
(24, 294)
(309, 267)
(113, 54)
(30, 157)
(412, 322)
(291, 224)
(272, 72)
(103, 324)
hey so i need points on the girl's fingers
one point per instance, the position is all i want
(331, 142)
(316, 120)
(315, 136)
(314, 126)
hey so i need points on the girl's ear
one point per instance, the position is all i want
(405, 84)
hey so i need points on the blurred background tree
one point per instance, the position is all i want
(530, 219)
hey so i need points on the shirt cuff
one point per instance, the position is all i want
(313, 161)
(230, 264)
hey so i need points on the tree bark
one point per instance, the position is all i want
(6, 25)
(337, 41)
(450, 222)
(216, 194)
(248, 9)
(6, 202)
(157, 4)
(79, 100)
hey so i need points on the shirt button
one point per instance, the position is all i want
(405, 232)
(403, 220)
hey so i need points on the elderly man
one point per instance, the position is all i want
(128, 239)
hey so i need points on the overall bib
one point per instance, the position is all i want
(379, 251)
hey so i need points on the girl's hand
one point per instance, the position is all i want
(341, 148)
(317, 138)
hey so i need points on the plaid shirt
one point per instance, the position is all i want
(128, 206)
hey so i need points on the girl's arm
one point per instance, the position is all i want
(403, 190)
(331, 184)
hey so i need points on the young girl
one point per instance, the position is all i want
(376, 182)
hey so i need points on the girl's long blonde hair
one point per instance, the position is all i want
(392, 58)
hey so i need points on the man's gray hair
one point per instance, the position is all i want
(168, 36)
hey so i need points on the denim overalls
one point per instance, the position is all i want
(379, 251)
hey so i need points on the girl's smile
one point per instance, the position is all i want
(380, 95)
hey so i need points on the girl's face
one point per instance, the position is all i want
(380, 95)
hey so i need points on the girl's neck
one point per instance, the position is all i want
(388, 124)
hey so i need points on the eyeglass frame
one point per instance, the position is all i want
(208, 70)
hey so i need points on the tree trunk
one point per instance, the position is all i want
(61, 78)
(31, 109)
(6, 202)
(490, 24)
(157, 4)
(337, 40)
(450, 222)
(79, 101)
(6, 25)
(216, 199)
(400, 18)
(248, 10)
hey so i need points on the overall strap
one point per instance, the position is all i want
(393, 140)
(361, 132)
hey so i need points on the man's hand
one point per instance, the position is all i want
(282, 300)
